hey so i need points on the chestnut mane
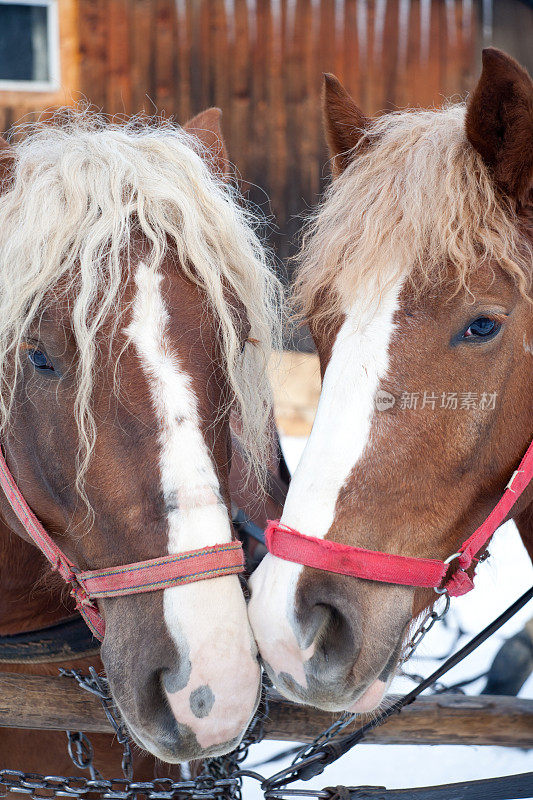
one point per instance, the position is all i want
(415, 198)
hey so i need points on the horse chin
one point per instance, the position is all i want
(172, 755)
(370, 699)
(355, 693)
(178, 745)
(325, 698)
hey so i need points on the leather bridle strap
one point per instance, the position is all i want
(143, 576)
(291, 545)
(287, 543)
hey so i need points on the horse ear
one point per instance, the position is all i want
(6, 162)
(499, 122)
(206, 127)
(344, 122)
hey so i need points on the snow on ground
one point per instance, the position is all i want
(500, 581)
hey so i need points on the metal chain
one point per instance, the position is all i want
(99, 686)
(41, 787)
(425, 626)
(81, 753)
(325, 736)
(220, 777)
(431, 618)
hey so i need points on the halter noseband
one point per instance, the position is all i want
(287, 543)
(143, 576)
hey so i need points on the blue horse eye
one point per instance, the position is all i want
(482, 328)
(39, 359)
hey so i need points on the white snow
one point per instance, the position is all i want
(499, 581)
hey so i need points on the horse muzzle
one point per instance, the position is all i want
(327, 640)
(178, 702)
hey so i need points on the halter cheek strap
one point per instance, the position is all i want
(291, 545)
(143, 576)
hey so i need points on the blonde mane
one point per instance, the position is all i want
(79, 189)
(416, 197)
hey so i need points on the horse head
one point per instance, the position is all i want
(415, 278)
(137, 311)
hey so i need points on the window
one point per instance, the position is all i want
(29, 45)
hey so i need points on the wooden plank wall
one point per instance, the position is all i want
(261, 61)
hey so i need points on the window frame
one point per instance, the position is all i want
(54, 67)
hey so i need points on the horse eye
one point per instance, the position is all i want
(482, 328)
(40, 360)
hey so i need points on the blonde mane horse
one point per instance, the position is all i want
(137, 309)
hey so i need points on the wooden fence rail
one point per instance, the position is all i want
(49, 703)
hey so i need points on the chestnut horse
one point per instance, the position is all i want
(137, 310)
(416, 280)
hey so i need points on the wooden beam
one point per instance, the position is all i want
(437, 719)
(46, 703)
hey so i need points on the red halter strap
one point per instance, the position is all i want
(287, 543)
(143, 576)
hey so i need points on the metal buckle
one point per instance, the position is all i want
(511, 481)
(80, 593)
(447, 561)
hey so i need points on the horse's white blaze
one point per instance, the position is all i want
(207, 620)
(359, 360)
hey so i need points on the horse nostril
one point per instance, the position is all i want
(174, 680)
(336, 641)
(313, 623)
(328, 624)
